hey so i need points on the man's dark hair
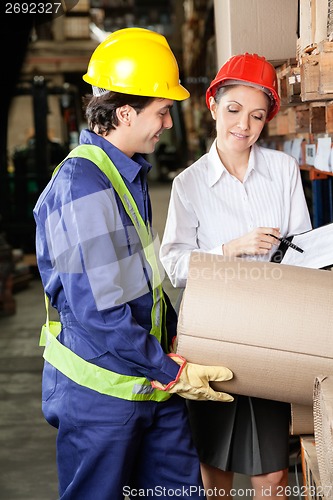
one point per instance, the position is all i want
(100, 111)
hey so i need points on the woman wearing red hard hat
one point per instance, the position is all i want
(251, 70)
(237, 200)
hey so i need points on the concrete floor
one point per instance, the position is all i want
(27, 442)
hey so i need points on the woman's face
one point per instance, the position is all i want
(240, 116)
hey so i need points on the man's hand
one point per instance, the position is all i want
(192, 381)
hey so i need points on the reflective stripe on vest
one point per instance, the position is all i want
(66, 361)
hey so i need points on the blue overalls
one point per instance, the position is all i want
(94, 271)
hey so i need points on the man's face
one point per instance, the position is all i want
(147, 126)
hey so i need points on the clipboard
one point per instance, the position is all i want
(317, 246)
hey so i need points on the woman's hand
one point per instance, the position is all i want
(258, 242)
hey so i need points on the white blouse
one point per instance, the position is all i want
(209, 206)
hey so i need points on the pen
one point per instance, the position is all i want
(289, 243)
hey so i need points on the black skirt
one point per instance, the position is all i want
(248, 436)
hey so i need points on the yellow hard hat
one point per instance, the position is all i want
(136, 61)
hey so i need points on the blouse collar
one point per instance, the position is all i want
(216, 170)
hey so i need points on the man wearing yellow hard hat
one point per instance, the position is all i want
(111, 386)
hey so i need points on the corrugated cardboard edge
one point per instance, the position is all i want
(323, 430)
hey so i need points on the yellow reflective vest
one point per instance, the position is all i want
(66, 361)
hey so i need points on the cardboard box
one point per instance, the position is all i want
(317, 118)
(283, 122)
(322, 9)
(329, 118)
(323, 431)
(271, 324)
(302, 119)
(312, 489)
(289, 83)
(266, 27)
(313, 20)
(306, 24)
(316, 76)
(330, 24)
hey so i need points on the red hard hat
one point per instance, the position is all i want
(250, 69)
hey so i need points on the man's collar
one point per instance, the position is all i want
(129, 168)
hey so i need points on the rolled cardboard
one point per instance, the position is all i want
(271, 324)
(302, 421)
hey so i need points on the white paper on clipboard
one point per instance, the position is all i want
(318, 248)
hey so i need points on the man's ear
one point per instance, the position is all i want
(124, 114)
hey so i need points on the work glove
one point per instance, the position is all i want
(192, 381)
